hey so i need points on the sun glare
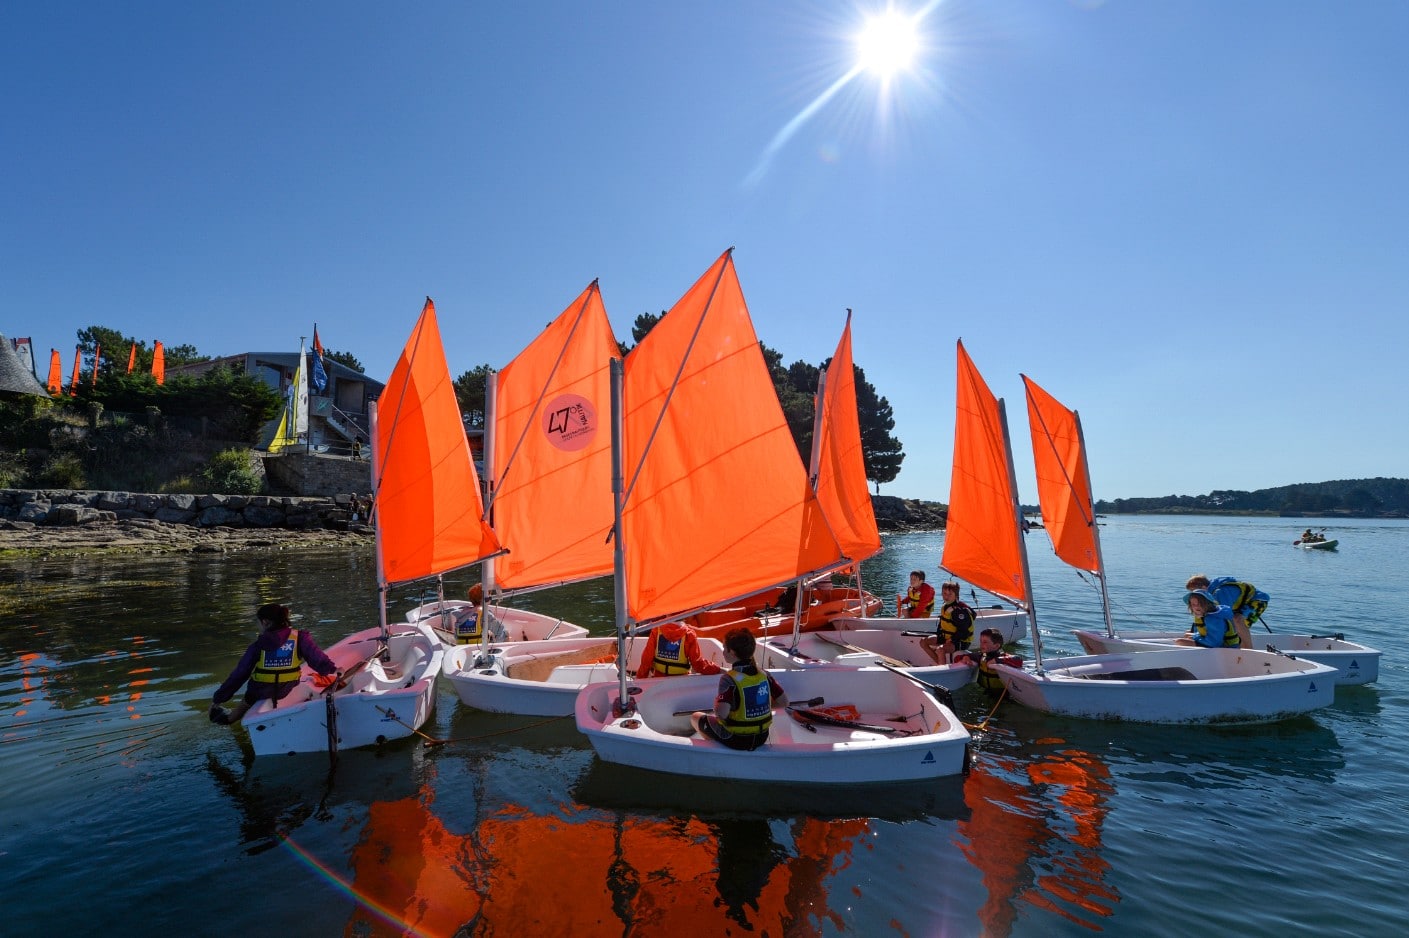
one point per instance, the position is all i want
(887, 44)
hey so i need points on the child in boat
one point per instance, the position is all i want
(272, 664)
(674, 648)
(955, 628)
(1246, 601)
(743, 708)
(1213, 622)
(918, 601)
(990, 650)
(470, 624)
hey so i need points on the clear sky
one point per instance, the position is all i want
(1189, 221)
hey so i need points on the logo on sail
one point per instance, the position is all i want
(570, 422)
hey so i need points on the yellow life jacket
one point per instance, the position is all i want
(1230, 634)
(912, 601)
(670, 656)
(755, 714)
(949, 629)
(986, 677)
(280, 666)
(468, 629)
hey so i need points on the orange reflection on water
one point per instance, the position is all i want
(586, 872)
(1040, 842)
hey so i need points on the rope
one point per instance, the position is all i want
(984, 725)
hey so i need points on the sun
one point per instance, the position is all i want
(887, 44)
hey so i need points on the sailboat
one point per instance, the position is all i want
(1175, 685)
(548, 459)
(550, 501)
(427, 519)
(839, 477)
(293, 424)
(694, 417)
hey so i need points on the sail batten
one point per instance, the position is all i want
(982, 541)
(428, 506)
(719, 503)
(552, 459)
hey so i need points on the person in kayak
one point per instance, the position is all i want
(272, 664)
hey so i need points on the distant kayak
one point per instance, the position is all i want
(1317, 545)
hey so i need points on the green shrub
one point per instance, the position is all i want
(229, 473)
(61, 471)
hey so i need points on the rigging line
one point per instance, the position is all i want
(675, 382)
(523, 434)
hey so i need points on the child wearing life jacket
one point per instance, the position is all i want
(673, 648)
(743, 708)
(272, 664)
(989, 653)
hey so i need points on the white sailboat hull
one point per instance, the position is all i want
(1354, 663)
(543, 678)
(381, 701)
(659, 737)
(862, 648)
(1012, 623)
(522, 625)
(1199, 685)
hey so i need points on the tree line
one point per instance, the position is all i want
(1376, 497)
(795, 385)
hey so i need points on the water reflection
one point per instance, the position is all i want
(1035, 836)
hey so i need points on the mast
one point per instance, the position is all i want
(491, 407)
(377, 518)
(1022, 543)
(814, 471)
(1095, 530)
(618, 377)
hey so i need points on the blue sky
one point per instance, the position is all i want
(1189, 221)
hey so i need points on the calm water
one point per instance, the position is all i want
(127, 813)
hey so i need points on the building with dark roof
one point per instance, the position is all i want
(15, 377)
(336, 417)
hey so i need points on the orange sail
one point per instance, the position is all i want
(77, 364)
(841, 467)
(717, 504)
(159, 362)
(982, 541)
(132, 358)
(56, 373)
(1063, 482)
(552, 504)
(428, 506)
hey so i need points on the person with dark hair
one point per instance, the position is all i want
(990, 650)
(918, 602)
(1246, 602)
(272, 664)
(955, 629)
(743, 708)
(674, 648)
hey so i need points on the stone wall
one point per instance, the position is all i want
(314, 474)
(63, 507)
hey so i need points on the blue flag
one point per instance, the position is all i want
(318, 375)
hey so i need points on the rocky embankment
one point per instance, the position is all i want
(907, 514)
(69, 521)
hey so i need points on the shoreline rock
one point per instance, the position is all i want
(65, 521)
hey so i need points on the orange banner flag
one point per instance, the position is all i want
(97, 357)
(132, 358)
(77, 363)
(159, 363)
(56, 373)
